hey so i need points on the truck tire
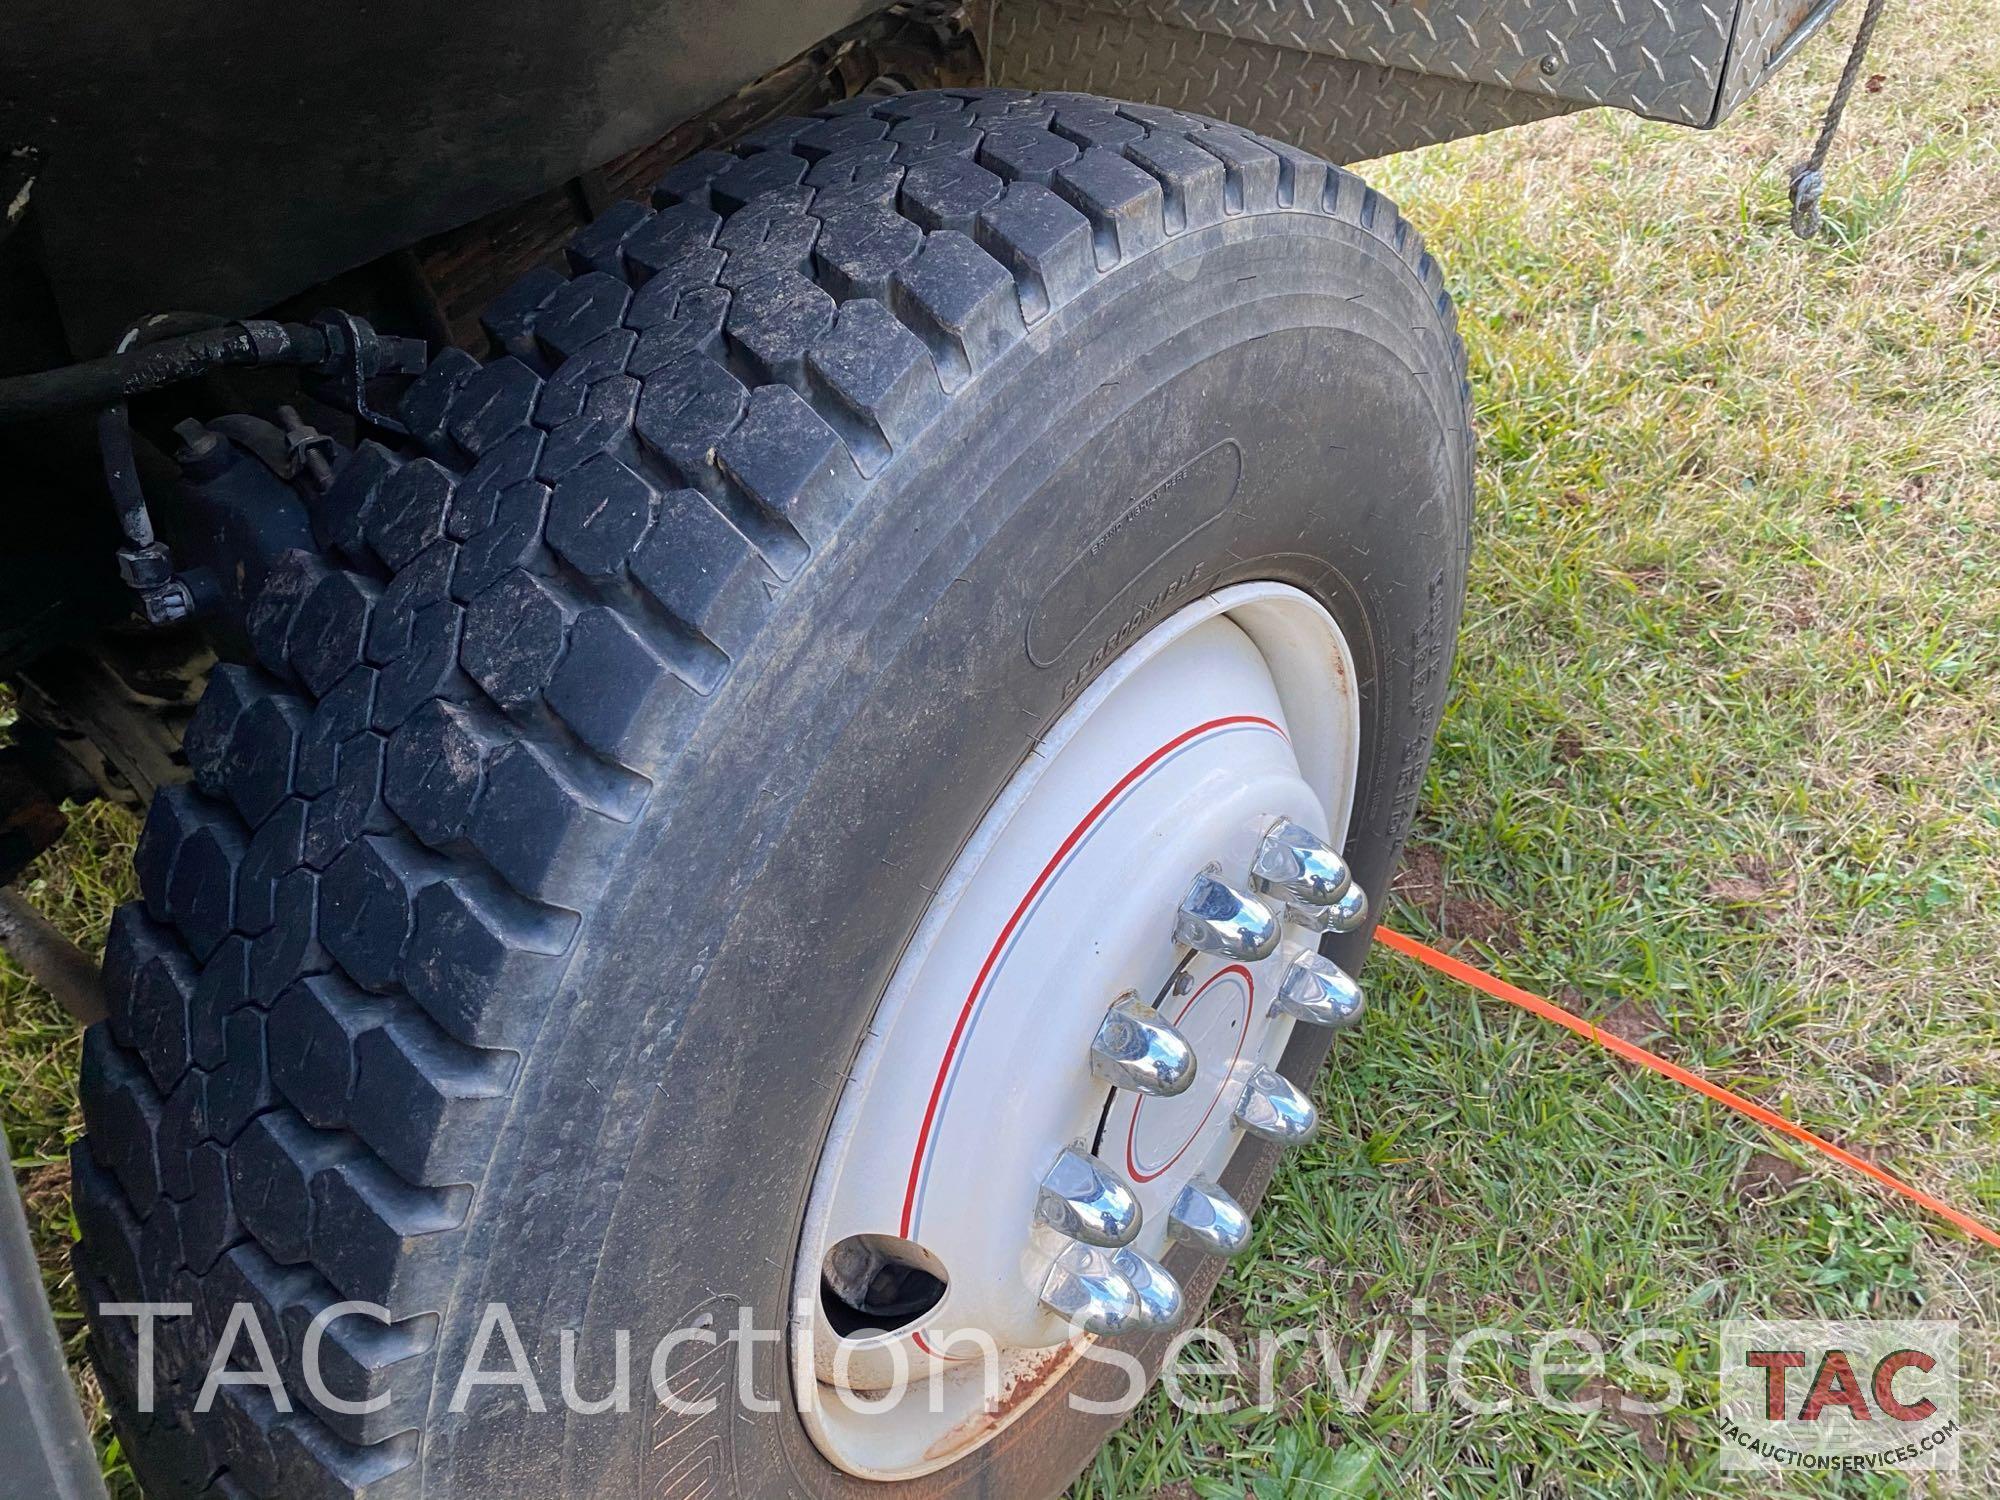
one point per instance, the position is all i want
(539, 877)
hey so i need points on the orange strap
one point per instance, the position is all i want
(1548, 1010)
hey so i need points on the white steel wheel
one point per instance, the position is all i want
(1085, 1024)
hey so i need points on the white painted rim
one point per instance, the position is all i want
(1239, 709)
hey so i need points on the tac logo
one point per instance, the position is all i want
(1838, 1396)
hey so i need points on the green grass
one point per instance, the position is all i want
(1721, 764)
(1722, 760)
(76, 885)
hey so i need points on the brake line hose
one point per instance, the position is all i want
(329, 344)
(148, 367)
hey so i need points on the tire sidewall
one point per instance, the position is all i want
(657, 1159)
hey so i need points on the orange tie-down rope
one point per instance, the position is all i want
(1548, 1010)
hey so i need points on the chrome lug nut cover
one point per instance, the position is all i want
(1136, 1049)
(1273, 1107)
(1084, 1199)
(1219, 919)
(1309, 918)
(1206, 1217)
(1159, 1295)
(1086, 1290)
(1299, 865)
(1319, 992)
(1349, 911)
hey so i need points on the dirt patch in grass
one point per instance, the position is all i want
(1643, 1425)
(45, 1195)
(1754, 882)
(1453, 913)
(1633, 1021)
(1765, 1178)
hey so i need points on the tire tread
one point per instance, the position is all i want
(358, 916)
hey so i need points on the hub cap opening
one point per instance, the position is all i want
(876, 1283)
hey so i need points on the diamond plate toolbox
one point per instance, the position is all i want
(1365, 76)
